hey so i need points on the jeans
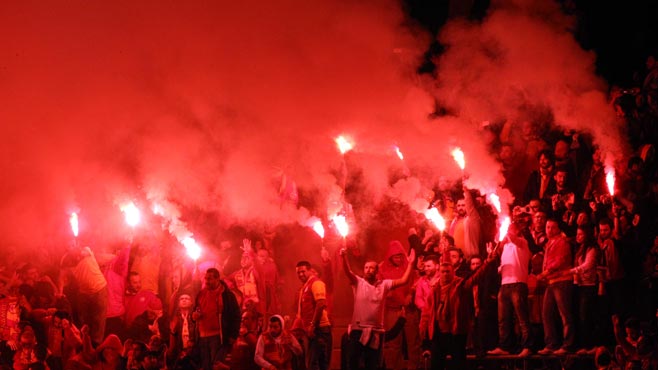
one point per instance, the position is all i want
(513, 299)
(355, 351)
(586, 309)
(444, 344)
(92, 310)
(319, 349)
(559, 300)
(211, 351)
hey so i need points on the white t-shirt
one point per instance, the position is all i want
(514, 263)
(369, 303)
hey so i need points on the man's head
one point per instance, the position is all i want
(535, 206)
(476, 262)
(561, 150)
(276, 325)
(460, 207)
(212, 278)
(370, 269)
(134, 281)
(605, 228)
(250, 319)
(246, 261)
(633, 329)
(431, 266)
(561, 177)
(546, 160)
(552, 228)
(539, 221)
(185, 301)
(262, 255)
(150, 360)
(455, 256)
(303, 270)
(446, 273)
(582, 219)
(61, 319)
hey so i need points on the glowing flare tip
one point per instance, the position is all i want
(131, 213)
(458, 155)
(74, 224)
(495, 201)
(193, 249)
(610, 180)
(504, 226)
(344, 145)
(318, 228)
(435, 217)
(399, 153)
(341, 225)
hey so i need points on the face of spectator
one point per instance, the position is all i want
(475, 263)
(397, 260)
(580, 236)
(110, 355)
(249, 321)
(185, 301)
(446, 274)
(634, 334)
(604, 232)
(212, 281)
(583, 219)
(246, 261)
(303, 273)
(539, 221)
(561, 179)
(596, 156)
(561, 150)
(461, 207)
(262, 256)
(430, 268)
(544, 162)
(527, 129)
(454, 257)
(275, 328)
(370, 270)
(535, 205)
(552, 229)
(31, 275)
(506, 154)
(135, 283)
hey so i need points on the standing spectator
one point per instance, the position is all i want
(275, 347)
(79, 265)
(217, 317)
(116, 273)
(248, 282)
(367, 326)
(465, 227)
(559, 292)
(455, 257)
(446, 319)
(137, 300)
(270, 278)
(183, 330)
(62, 337)
(313, 318)
(613, 270)
(513, 294)
(585, 278)
(541, 182)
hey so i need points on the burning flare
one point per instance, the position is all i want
(74, 224)
(399, 153)
(495, 201)
(341, 225)
(131, 213)
(458, 155)
(504, 226)
(433, 215)
(610, 180)
(344, 145)
(193, 249)
(318, 228)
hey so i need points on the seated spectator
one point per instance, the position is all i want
(275, 347)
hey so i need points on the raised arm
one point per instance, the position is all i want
(346, 267)
(405, 278)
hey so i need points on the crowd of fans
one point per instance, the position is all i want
(577, 275)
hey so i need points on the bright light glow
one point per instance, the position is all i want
(504, 226)
(131, 213)
(458, 155)
(157, 209)
(433, 215)
(399, 153)
(495, 201)
(341, 225)
(193, 249)
(344, 145)
(610, 179)
(318, 228)
(74, 224)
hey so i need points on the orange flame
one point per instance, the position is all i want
(318, 228)
(74, 224)
(344, 145)
(504, 226)
(495, 201)
(610, 179)
(131, 214)
(399, 153)
(458, 155)
(341, 225)
(193, 249)
(433, 215)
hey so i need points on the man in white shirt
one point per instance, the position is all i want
(367, 327)
(513, 293)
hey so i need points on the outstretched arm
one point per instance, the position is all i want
(405, 278)
(346, 267)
